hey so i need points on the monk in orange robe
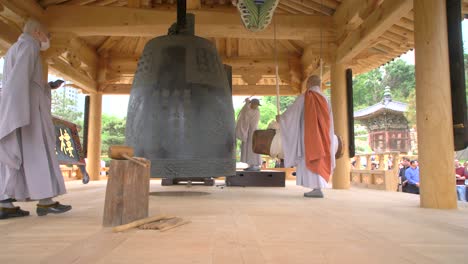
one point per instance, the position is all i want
(308, 138)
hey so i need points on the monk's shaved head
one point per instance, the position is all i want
(33, 25)
(314, 80)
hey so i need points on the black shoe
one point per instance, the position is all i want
(55, 208)
(315, 193)
(6, 213)
(9, 200)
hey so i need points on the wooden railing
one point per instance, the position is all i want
(380, 178)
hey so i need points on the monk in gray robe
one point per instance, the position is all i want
(247, 123)
(308, 138)
(29, 168)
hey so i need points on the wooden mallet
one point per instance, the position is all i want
(124, 152)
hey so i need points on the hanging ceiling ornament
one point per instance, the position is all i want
(256, 14)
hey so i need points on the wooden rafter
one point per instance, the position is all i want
(317, 7)
(298, 7)
(95, 21)
(373, 27)
(25, 8)
(73, 74)
(79, 2)
(246, 90)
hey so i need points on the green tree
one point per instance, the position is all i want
(411, 112)
(113, 132)
(63, 107)
(268, 109)
(367, 89)
(399, 76)
(285, 101)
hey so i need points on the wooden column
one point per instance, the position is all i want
(94, 136)
(341, 175)
(433, 106)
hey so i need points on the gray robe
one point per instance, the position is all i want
(246, 125)
(29, 167)
(292, 135)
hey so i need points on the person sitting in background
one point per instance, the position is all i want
(412, 175)
(460, 181)
(405, 163)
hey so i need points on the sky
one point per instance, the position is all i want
(117, 104)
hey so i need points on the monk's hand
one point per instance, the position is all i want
(56, 84)
(247, 100)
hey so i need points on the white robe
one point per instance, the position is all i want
(292, 134)
(29, 168)
(247, 123)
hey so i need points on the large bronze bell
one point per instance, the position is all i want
(180, 114)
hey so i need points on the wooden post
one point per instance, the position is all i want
(341, 175)
(368, 161)
(433, 106)
(127, 193)
(382, 164)
(357, 166)
(94, 137)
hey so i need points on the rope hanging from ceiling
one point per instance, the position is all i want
(256, 15)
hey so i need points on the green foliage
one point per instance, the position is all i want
(399, 76)
(113, 132)
(268, 109)
(368, 88)
(61, 107)
(411, 113)
(267, 112)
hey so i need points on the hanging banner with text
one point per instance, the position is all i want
(67, 143)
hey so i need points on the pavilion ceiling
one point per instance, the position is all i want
(96, 43)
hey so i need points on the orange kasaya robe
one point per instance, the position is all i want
(317, 134)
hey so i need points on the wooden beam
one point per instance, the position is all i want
(286, 9)
(79, 2)
(25, 8)
(76, 76)
(384, 17)
(79, 54)
(348, 15)
(299, 8)
(134, 3)
(247, 90)
(105, 2)
(116, 21)
(193, 4)
(8, 33)
(50, 2)
(109, 43)
(128, 65)
(317, 7)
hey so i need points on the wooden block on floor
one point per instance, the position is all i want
(264, 178)
(127, 193)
